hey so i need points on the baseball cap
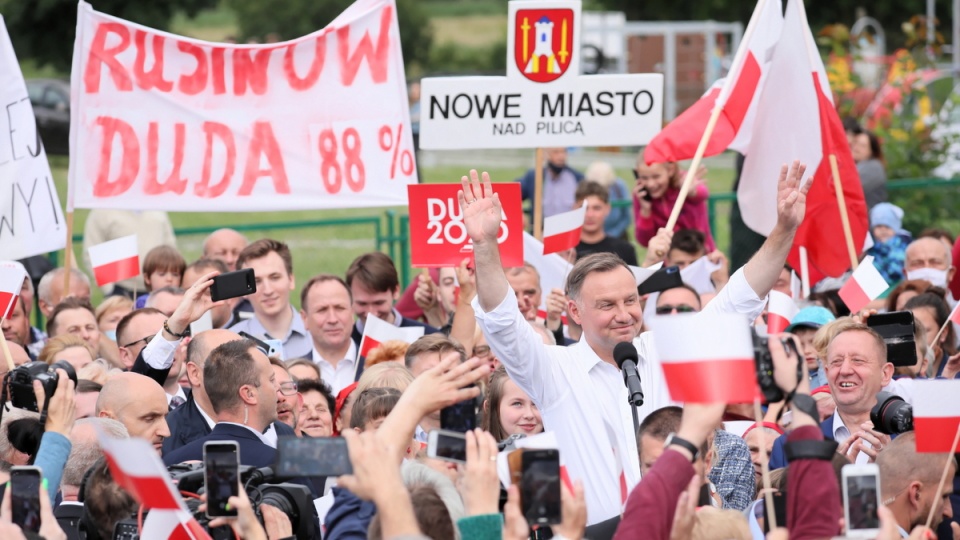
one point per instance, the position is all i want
(811, 317)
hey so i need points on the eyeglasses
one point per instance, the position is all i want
(667, 309)
(146, 341)
(288, 388)
(481, 351)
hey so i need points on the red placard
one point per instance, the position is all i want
(438, 236)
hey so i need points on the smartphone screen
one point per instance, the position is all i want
(460, 417)
(25, 497)
(322, 456)
(540, 487)
(221, 462)
(448, 446)
(862, 501)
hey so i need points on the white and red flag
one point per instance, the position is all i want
(864, 286)
(553, 270)
(781, 309)
(11, 281)
(955, 314)
(707, 357)
(936, 415)
(172, 525)
(115, 260)
(376, 331)
(737, 94)
(137, 468)
(562, 231)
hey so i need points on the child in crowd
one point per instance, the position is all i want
(656, 191)
(163, 267)
(890, 241)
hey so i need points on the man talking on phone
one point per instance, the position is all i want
(579, 388)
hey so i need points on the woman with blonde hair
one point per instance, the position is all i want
(109, 313)
(77, 352)
(385, 375)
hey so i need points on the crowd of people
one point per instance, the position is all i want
(529, 360)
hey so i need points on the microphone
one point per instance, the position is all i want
(625, 355)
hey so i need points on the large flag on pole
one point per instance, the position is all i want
(737, 94)
(796, 119)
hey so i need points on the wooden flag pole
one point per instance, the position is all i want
(694, 165)
(770, 516)
(68, 255)
(948, 322)
(538, 195)
(943, 477)
(804, 273)
(6, 352)
(844, 218)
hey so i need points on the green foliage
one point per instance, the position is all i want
(452, 58)
(294, 18)
(44, 30)
(930, 206)
(465, 8)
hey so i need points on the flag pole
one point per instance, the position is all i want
(804, 272)
(538, 195)
(948, 322)
(68, 255)
(943, 477)
(844, 218)
(6, 352)
(694, 165)
(770, 515)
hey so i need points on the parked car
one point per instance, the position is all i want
(51, 106)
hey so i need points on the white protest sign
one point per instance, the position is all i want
(31, 222)
(164, 122)
(543, 100)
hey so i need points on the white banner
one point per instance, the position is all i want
(164, 122)
(31, 222)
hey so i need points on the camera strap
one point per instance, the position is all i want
(43, 412)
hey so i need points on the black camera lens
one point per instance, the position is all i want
(891, 415)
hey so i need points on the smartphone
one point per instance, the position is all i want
(897, 330)
(540, 486)
(233, 284)
(221, 476)
(661, 280)
(322, 456)
(460, 417)
(861, 498)
(25, 497)
(447, 445)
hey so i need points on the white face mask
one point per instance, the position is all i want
(935, 276)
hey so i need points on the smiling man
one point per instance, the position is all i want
(273, 316)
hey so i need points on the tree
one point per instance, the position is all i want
(294, 18)
(44, 30)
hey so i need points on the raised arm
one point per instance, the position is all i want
(481, 216)
(765, 266)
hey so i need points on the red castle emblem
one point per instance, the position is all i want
(543, 43)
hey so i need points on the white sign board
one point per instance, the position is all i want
(543, 100)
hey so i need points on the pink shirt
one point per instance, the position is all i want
(693, 215)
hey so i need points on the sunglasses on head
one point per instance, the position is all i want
(667, 309)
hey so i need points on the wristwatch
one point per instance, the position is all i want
(683, 443)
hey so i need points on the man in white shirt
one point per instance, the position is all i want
(325, 307)
(579, 389)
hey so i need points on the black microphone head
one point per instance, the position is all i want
(625, 351)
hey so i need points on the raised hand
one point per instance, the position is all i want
(792, 195)
(481, 208)
(196, 301)
(467, 280)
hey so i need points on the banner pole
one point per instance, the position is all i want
(844, 218)
(770, 516)
(538, 195)
(943, 477)
(804, 272)
(68, 255)
(694, 165)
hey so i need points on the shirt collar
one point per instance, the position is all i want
(296, 326)
(180, 393)
(206, 417)
(838, 425)
(397, 321)
(349, 358)
(257, 433)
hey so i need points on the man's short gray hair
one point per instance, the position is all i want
(597, 262)
(85, 453)
(43, 289)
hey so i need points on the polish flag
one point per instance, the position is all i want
(11, 281)
(137, 468)
(172, 525)
(698, 275)
(796, 119)
(936, 415)
(737, 94)
(553, 270)
(864, 286)
(707, 357)
(115, 260)
(955, 314)
(562, 231)
(376, 331)
(781, 309)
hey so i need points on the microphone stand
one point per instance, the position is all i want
(635, 401)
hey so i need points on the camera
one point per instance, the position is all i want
(764, 361)
(891, 415)
(18, 384)
(294, 500)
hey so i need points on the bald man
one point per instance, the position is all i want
(137, 402)
(50, 289)
(224, 245)
(930, 259)
(909, 482)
